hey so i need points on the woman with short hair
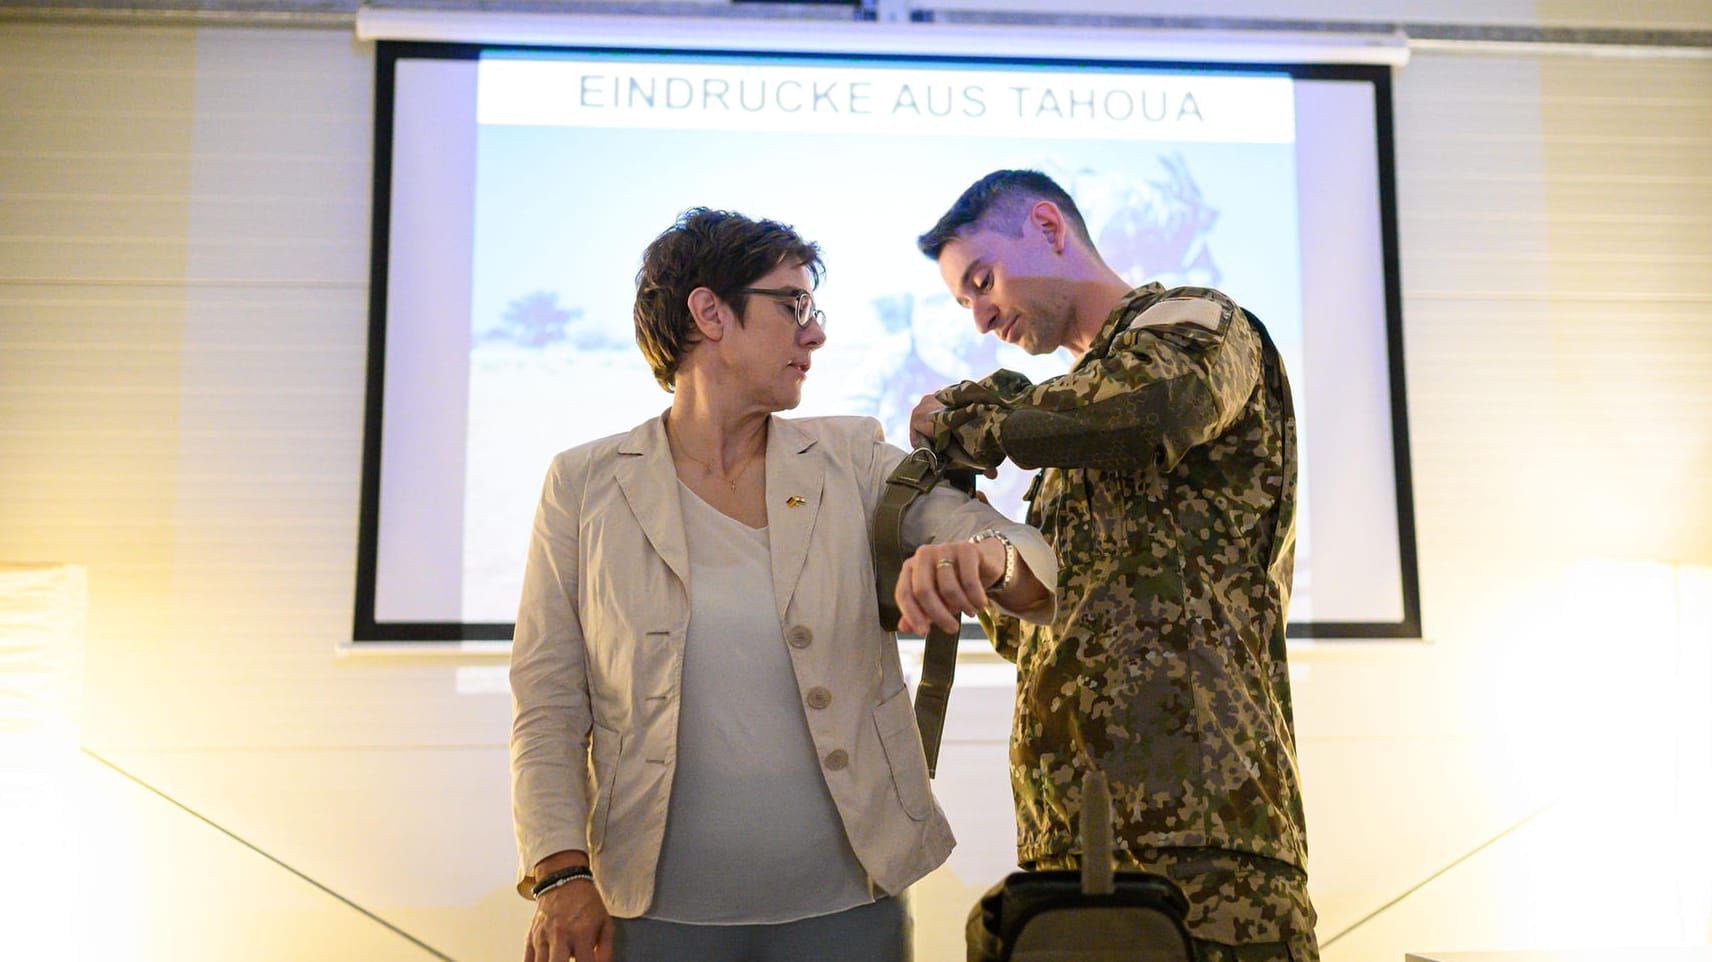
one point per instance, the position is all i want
(714, 756)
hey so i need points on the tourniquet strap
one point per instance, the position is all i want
(915, 476)
(933, 691)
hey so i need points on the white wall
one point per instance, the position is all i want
(183, 270)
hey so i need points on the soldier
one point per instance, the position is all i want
(1168, 490)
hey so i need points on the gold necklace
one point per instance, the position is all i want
(730, 482)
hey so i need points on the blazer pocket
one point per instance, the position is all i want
(606, 747)
(894, 718)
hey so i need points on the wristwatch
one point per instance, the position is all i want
(1008, 577)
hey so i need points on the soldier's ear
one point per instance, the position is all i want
(1046, 218)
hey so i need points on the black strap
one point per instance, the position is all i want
(915, 476)
(933, 691)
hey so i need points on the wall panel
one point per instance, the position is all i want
(94, 203)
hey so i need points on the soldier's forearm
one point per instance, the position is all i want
(1156, 422)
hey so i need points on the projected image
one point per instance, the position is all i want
(521, 188)
(563, 213)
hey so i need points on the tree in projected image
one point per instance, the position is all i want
(536, 320)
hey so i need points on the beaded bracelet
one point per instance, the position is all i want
(553, 880)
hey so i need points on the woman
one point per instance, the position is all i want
(713, 752)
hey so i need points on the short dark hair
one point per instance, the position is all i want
(999, 201)
(716, 249)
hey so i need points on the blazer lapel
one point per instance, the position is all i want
(650, 484)
(795, 479)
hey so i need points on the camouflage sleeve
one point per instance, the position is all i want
(1177, 377)
(1003, 629)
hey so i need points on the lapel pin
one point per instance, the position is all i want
(795, 502)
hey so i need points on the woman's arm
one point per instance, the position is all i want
(550, 733)
(571, 921)
(940, 525)
(941, 581)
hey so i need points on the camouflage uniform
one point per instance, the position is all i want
(1169, 493)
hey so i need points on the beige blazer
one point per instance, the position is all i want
(599, 648)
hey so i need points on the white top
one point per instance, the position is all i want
(752, 834)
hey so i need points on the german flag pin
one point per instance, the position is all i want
(795, 502)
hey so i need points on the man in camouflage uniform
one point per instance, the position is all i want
(1169, 491)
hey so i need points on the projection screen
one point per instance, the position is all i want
(515, 189)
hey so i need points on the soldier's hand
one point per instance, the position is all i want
(921, 420)
(922, 428)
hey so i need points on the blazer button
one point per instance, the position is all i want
(819, 697)
(837, 760)
(799, 636)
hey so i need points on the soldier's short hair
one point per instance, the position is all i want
(720, 250)
(1000, 201)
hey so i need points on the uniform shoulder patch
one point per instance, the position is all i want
(1176, 310)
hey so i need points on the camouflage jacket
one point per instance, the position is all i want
(1169, 493)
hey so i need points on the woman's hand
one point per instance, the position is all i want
(571, 922)
(940, 582)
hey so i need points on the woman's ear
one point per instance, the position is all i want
(708, 313)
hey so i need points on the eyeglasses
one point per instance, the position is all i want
(802, 300)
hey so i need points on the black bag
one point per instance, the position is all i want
(1094, 915)
(1049, 917)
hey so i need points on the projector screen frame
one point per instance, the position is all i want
(367, 629)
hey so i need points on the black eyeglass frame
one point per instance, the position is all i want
(802, 300)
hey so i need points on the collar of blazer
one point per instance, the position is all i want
(649, 480)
